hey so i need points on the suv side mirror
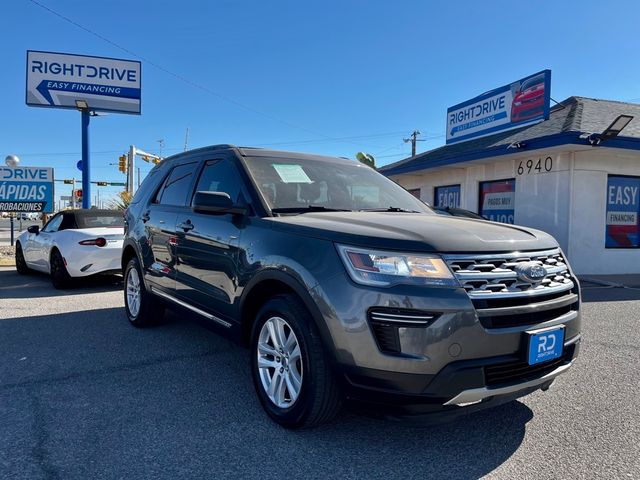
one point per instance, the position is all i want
(216, 203)
(34, 229)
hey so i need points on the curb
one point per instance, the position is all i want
(8, 262)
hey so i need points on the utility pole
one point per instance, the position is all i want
(186, 139)
(160, 145)
(413, 138)
(138, 177)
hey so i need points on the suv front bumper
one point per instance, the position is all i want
(458, 360)
(460, 384)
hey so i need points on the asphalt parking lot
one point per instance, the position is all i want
(84, 395)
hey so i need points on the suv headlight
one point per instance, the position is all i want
(381, 268)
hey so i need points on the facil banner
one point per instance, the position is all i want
(520, 103)
(447, 196)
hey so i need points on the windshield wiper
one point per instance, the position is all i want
(308, 208)
(389, 209)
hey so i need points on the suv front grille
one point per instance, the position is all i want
(503, 298)
(495, 276)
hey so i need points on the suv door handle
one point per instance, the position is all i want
(145, 217)
(186, 226)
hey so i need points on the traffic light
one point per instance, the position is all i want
(68, 182)
(122, 163)
(102, 184)
(78, 193)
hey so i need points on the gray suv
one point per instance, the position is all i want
(345, 286)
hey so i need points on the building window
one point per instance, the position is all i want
(623, 209)
(415, 192)
(447, 196)
(497, 200)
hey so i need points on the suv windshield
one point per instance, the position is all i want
(297, 184)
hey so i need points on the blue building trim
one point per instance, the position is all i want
(565, 138)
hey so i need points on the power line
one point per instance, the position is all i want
(291, 142)
(176, 75)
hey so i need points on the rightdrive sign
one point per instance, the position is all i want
(520, 103)
(26, 189)
(59, 79)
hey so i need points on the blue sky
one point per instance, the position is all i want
(330, 77)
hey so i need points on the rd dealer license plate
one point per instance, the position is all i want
(545, 345)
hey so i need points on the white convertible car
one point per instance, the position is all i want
(73, 243)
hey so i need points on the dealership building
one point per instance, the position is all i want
(575, 174)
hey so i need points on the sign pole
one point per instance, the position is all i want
(12, 234)
(86, 171)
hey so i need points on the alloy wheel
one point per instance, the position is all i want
(133, 292)
(279, 362)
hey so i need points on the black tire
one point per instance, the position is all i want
(319, 399)
(150, 310)
(59, 275)
(21, 264)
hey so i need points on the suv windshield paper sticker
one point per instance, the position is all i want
(289, 173)
(520, 103)
(447, 197)
(623, 210)
(497, 200)
(26, 189)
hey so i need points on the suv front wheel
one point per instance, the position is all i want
(290, 369)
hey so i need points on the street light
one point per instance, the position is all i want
(611, 131)
(12, 161)
(82, 105)
(616, 126)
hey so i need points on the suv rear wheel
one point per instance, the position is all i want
(290, 369)
(143, 309)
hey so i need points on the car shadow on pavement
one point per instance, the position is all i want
(86, 395)
(36, 284)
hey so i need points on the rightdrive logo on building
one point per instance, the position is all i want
(520, 103)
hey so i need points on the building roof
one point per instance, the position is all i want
(567, 121)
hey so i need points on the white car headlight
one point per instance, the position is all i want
(380, 268)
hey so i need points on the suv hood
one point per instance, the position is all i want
(414, 232)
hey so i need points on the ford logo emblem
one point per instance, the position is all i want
(531, 272)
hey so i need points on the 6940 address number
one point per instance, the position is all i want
(535, 166)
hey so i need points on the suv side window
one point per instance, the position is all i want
(176, 188)
(149, 182)
(53, 224)
(221, 176)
